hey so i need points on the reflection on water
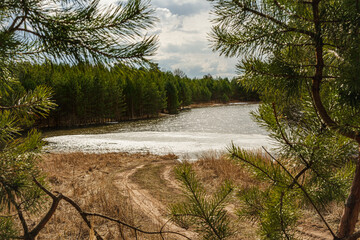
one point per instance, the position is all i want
(188, 133)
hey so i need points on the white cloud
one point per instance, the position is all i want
(182, 28)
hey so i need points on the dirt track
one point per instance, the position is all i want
(104, 183)
(146, 203)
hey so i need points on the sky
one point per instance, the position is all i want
(183, 30)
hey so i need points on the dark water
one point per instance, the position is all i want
(189, 133)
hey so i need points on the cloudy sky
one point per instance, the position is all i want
(182, 30)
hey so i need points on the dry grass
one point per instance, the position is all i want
(151, 178)
(94, 181)
(214, 168)
(115, 184)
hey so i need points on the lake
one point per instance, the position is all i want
(187, 134)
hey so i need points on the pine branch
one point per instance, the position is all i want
(203, 215)
(283, 229)
(318, 78)
(274, 20)
(15, 24)
(307, 164)
(291, 14)
(304, 191)
(204, 211)
(20, 214)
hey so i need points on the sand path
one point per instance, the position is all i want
(147, 204)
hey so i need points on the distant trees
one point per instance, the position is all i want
(185, 92)
(172, 97)
(88, 94)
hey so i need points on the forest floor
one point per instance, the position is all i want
(138, 189)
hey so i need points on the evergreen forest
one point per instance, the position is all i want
(95, 94)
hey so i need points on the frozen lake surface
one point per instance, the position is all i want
(187, 134)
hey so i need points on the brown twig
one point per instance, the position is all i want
(135, 228)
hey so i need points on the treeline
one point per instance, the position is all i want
(87, 94)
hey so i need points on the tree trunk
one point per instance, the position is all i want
(352, 206)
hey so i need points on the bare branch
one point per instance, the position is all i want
(135, 228)
(51, 211)
(84, 215)
(354, 236)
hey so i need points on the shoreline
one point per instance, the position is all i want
(47, 131)
(160, 115)
(217, 104)
(187, 135)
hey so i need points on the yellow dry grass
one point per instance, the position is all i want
(97, 183)
(137, 189)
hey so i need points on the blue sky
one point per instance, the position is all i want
(183, 39)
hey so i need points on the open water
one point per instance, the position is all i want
(188, 134)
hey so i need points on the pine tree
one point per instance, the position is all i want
(203, 211)
(69, 31)
(303, 58)
(172, 96)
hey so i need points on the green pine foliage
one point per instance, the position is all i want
(172, 97)
(18, 167)
(302, 57)
(7, 230)
(276, 204)
(202, 211)
(287, 189)
(42, 31)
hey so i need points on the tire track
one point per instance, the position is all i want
(146, 203)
